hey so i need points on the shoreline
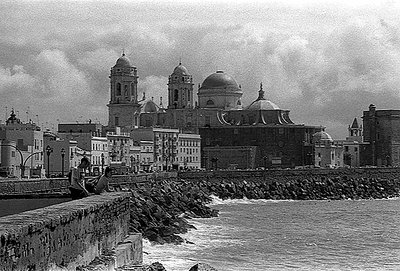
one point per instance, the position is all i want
(161, 210)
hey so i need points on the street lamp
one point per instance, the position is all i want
(62, 161)
(102, 163)
(265, 166)
(49, 150)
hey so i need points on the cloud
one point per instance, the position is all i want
(15, 80)
(154, 87)
(325, 64)
(359, 64)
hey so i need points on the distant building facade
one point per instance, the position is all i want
(381, 130)
(189, 151)
(328, 153)
(28, 149)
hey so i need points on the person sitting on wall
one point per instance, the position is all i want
(77, 180)
(103, 183)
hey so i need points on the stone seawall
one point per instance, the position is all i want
(32, 186)
(14, 188)
(64, 236)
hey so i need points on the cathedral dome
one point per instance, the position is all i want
(322, 137)
(262, 105)
(180, 70)
(123, 61)
(220, 80)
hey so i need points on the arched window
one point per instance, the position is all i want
(176, 95)
(118, 89)
(210, 102)
(239, 103)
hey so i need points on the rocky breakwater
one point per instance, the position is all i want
(159, 209)
(311, 188)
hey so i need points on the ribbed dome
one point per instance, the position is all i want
(322, 137)
(180, 70)
(219, 80)
(123, 61)
(262, 105)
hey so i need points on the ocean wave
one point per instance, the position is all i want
(218, 201)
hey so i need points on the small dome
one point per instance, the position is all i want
(322, 137)
(123, 61)
(219, 80)
(262, 105)
(180, 70)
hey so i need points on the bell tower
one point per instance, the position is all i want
(180, 88)
(355, 131)
(123, 94)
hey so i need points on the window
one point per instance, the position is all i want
(210, 102)
(207, 120)
(116, 121)
(188, 94)
(346, 148)
(355, 149)
(118, 89)
(176, 95)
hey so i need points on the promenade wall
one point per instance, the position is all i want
(64, 236)
(57, 186)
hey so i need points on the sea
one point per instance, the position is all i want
(259, 235)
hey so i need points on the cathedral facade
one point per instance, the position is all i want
(262, 130)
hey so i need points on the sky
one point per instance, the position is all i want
(325, 61)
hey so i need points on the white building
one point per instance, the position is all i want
(189, 154)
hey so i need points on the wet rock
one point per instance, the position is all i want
(202, 267)
(154, 267)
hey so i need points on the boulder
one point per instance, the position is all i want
(202, 267)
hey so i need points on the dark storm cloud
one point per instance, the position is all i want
(324, 64)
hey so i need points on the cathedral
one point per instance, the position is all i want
(232, 135)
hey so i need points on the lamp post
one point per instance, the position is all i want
(62, 161)
(29, 156)
(102, 163)
(49, 150)
(265, 166)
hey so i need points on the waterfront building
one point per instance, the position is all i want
(91, 139)
(146, 155)
(29, 146)
(327, 152)
(189, 151)
(352, 145)
(8, 159)
(165, 146)
(134, 157)
(119, 150)
(381, 134)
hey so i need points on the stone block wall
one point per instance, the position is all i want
(64, 236)
(26, 186)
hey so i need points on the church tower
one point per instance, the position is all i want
(180, 89)
(123, 104)
(355, 131)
